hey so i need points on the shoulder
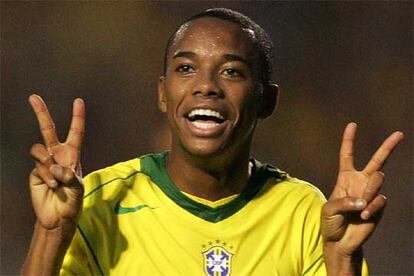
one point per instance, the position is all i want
(120, 171)
(281, 187)
(109, 181)
(300, 187)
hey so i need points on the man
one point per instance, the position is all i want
(204, 206)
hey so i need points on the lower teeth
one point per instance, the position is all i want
(204, 125)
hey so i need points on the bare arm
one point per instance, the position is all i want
(56, 190)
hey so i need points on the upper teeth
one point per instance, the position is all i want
(206, 112)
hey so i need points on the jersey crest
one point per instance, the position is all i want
(217, 261)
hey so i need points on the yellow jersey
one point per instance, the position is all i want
(135, 221)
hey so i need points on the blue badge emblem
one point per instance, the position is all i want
(217, 261)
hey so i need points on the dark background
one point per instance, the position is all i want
(335, 62)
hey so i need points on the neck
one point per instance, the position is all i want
(211, 178)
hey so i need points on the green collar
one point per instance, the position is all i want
(153, 165)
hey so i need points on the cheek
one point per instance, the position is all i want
(175, 93)
(244, 99)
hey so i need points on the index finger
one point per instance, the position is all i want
(46, 124)
(381, 155)
(346, 153)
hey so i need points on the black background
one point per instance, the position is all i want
(335, 62)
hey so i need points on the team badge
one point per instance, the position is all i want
(217, 261)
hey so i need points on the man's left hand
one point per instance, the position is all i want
(355, 205)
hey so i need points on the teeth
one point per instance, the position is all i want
(206, 112)
(204, 125)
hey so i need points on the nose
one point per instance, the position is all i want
(207, 85)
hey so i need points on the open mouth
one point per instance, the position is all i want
(205, 119)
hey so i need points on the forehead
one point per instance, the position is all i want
(214, 34)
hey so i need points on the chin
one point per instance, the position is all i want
(204, 149)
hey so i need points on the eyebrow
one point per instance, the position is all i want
(186, 54)
(230, 57)
(227, 57)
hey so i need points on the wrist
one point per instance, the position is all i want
(63, 233)
(341, 263)
(47, 249)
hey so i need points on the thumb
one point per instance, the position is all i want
(343, 205)
(65, 175)
(334, 215)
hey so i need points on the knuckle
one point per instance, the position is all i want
(39, 167)
(378, 203)
(371, 188)
(46, 159)
(380, 175)
(346, 154)
(382, 200)
(68, 175)
(79, 116)
(377, 161)
(77, 131)
(43, 172)
(35, 148)
(346, 203)
(48, 127)
(51, 144)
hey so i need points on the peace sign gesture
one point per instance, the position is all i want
(55, 183)
(355, 205)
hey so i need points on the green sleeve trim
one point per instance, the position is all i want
(154, 166)
(90, 249)
(312, 265)
(108, 182)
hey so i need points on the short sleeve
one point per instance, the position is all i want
(312, 239)
(78, 259)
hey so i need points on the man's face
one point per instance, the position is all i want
(210, 91)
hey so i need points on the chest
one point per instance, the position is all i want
(153, 238)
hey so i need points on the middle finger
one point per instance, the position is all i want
(375, 183)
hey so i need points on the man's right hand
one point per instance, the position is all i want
(55, 183)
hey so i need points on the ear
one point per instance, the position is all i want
(269, 100)
(162, 100)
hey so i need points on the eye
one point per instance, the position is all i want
(233, 73)
(184, 69)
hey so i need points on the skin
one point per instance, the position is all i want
(355, 205)
(200, 74)
(56, 190)
(211, 65)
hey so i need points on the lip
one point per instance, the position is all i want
(212, 132)
(209, 133)
(218, 108)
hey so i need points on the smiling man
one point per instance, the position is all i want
(213, 94)
(204, 207)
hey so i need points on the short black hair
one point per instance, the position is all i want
(261, 40)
